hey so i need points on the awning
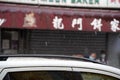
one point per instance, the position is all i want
(52, 18)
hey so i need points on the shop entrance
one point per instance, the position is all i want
(12, 41)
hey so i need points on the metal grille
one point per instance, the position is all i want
(66, 42)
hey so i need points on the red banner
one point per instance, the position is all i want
(60, 19)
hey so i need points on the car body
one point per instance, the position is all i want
(43, 67)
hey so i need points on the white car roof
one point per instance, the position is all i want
(50, 62)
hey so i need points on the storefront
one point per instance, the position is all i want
(55, 30)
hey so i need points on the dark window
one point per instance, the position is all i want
(56, 75)
(93, 76)
(43, 75)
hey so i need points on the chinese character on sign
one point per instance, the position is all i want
(77, 22)
(114, 25)
(96, 23)
(2, 21)
(113, 1)
(29, 20)
(57, 23)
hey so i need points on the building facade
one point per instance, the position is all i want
(61, 27)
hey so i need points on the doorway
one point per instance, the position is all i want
(12, 41)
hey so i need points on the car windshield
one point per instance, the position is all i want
(55, 75)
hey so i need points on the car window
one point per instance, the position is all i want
(55, 75)
(93, 76)
(43, 75)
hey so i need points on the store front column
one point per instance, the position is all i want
(0, 41)
(114, 50)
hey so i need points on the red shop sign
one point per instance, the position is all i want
(56, 21)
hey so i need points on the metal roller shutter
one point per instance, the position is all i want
(66, 42)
